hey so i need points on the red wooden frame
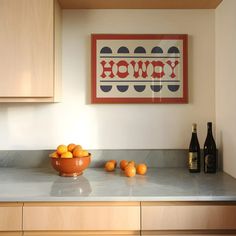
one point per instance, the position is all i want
(95, 37)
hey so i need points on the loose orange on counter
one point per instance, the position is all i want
(131, 163)
(66, 155)
(109, 166)
(61, 149)
(71, 147)
(130, 170)
(141, 169)
(123, 164)
(115, 162)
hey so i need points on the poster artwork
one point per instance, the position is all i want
(139, 68)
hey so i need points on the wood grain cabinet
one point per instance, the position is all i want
(96, 217)
(30, 50)
(188, 217)
(10, 219)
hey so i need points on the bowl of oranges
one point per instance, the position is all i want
(70, 160)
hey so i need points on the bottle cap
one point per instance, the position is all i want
(194, 127)
(209, 124)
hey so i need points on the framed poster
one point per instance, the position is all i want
(139, 68)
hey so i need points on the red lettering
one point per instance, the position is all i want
(119, 65)
(172, 65)
(107, 69)
(159, 74)
(140, 67)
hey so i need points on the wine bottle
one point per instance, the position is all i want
(194, 157)
(210, 153)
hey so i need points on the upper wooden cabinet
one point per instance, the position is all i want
(30, 50)
(139, 4)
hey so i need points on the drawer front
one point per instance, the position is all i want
(81, 217)
(188, 217)
(79, 233)
(188, 234)
(10, 217)
(11, 234)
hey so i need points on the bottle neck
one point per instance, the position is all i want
(194, 128)
(209, 129)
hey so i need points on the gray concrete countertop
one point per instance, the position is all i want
(163, 184)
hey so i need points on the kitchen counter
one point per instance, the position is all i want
(163, 184)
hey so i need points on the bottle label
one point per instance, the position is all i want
(210, 162)
(192, 160)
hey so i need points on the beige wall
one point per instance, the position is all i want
(226, 83)
(121, 125)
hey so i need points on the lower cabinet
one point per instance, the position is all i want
(10, 219)
(118, 219)
(184, 234)
(188, 218)
(67, 233)
(86, 218)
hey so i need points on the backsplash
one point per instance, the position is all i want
(152, 157)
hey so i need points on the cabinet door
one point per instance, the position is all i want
(26, 48)
(188, 216)
(81, 216)
(10, 217)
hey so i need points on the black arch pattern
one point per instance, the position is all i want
(173, 50)
(123, 50)
(139, 50)
(106, 50)
(157, 50)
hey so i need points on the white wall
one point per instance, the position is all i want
(40, 126)
(226, 83)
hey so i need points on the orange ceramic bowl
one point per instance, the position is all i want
(71, 167)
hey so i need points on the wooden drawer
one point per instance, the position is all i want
(184, 234)
(10, 217)
(11, 234)
(81, 216)
(82, 233)
(192, 216)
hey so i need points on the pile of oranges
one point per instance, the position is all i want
(70, 151)
(129, 167)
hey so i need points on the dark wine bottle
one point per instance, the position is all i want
(194, 156)
(210, 153)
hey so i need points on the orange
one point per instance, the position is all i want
(61, 149)
(131, 163)
(78, 147)
(109, 166)
(85, 153)
(77, 152)
(123, 164)
(141, 169)
(71, 147)
(54, 155)
(115, 162)
(67, 155)
(130, 171)
(80, 153)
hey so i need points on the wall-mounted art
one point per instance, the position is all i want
(131, 68)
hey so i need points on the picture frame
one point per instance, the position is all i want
(139, 68)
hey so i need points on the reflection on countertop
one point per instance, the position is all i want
(160, 184)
